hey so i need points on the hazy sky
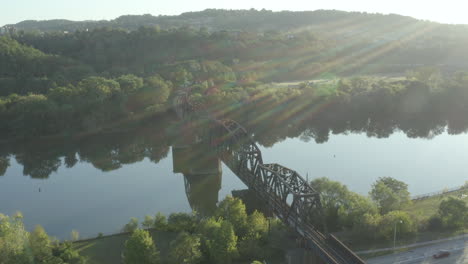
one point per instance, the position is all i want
(13, 11)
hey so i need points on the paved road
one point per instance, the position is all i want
(423, 255)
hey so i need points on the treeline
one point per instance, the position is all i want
(229, 234)
(18, 246)
(352, 42)
(388, 206)
(55, 83)
(106, 151)
(112, 82)
(149, 49)
(424, 105)
(89, 105)
(219, 19)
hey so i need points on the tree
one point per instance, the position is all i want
(40, 245)
(390, 194)
(223, 245)
(368, 227)
(65, 253)
(356, 207)
(178, 222)
(342, 208)
(454, 213)
(94, 90)
(130, 83)
(257, 225)
(185, 249)
(140, 249)
(219, 240)
(250, 246)
(430, 76)
(148, 222)
(160, 222)
(233, 210)
(401, 220)
(14, 240)
(131, 226)
(333, 196)
(32, 113)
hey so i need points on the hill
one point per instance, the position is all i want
(217, 19)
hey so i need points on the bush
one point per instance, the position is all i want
(402, 221)
(454, 213)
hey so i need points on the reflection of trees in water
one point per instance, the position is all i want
(378, 112)
(4, 164)
(415, 110)
(37, 166)
(106, 151)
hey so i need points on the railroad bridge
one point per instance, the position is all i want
(285, 192)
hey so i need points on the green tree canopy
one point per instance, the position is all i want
(130, 83)
(403, 222)
(454, 213)
(148, 222)
(390, 194)
(160, 222)
(182, 222)
(233, 210)
(140, 249)
(40, 245)
(131, 226)
(185, 249)
(342, 207)
(14, 241)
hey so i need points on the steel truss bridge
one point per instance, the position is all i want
(285, 192)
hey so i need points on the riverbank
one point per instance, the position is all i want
(420, 210)
(108, 249)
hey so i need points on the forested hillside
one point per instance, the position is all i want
(53, 81)
(355, 42)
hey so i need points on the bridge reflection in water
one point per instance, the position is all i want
(202, 173)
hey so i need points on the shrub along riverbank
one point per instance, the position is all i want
(231, 235)
(241, 238)
(436, 217)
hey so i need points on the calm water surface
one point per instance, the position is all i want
(91, 200)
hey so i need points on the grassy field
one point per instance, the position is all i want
(428, 207)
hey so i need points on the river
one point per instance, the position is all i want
(98, 183)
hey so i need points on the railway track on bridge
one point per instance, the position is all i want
(286, 193)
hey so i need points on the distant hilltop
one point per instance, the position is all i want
(219, 19)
